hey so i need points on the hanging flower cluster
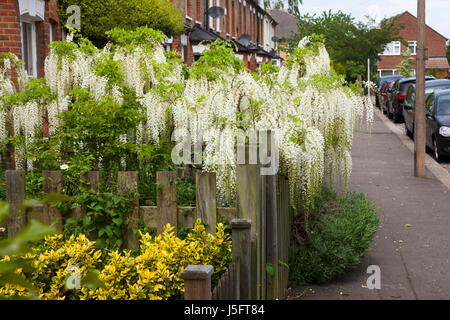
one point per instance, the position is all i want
(308, 108)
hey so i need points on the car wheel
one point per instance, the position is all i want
(390, 115)
(437, 154)
(386, 109)
(397, 118)
(408, 133)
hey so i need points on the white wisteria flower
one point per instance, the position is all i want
(313, 112)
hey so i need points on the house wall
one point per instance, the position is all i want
(435, 42)
(241, 17)
(10, 40)
(10, 30)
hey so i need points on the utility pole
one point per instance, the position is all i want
(419, 114)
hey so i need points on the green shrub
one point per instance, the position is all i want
(341, 230)
(100, 16)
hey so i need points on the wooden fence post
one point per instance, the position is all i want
(52, 184)
(284, 235)
(272, 243)
(197, 282)
(205, 184)
(15, 195)
(91, 180)
(249, 188)
(166, 200)
(128, 185)
(242, 256)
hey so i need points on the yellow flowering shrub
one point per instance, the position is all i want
(10, 290)
(155, 272)
(151, 274)
(50, 262)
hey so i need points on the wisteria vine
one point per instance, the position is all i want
(311, 108)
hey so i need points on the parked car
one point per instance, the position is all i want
(381, 82)
(397, 97)
(385, 95)
(432, 86)
(437, 110)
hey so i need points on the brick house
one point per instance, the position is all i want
(27, 27)
(286, 30)
(435, 42)
(245, 23)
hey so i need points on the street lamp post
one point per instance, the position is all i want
(419, 114)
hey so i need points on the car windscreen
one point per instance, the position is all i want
(404, 86)
(443, 106)
(436, 89)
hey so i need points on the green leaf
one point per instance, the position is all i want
(33, 231)
(8, 266)
(4, 211)
(270, 270)
(52, 198)
(92, 281)
(283, 264)
(29, 203)
(16, 279)
(71, 220)
(109, 231)
(87, 221)
(117, 221)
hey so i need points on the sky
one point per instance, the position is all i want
(437, 11)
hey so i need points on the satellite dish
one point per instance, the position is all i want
(216, 12)
(275, 39)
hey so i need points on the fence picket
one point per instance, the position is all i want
(15, 194)
(52, 184)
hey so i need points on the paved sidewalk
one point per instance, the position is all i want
(415, 260)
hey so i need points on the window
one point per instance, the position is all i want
(211, 20)
(429, 103)
(28, 37)
(218, 19)
(443, 107)
(188, 9)
(409, 96)
(412, 45)
(392, 48)
(386, 72)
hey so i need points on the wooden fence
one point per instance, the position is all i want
(263, 200)
(235, 282)
(166, 211)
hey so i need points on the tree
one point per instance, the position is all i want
(348, 42)
(405, 67)
(292, 6)
(99, 16)
(448, 52)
